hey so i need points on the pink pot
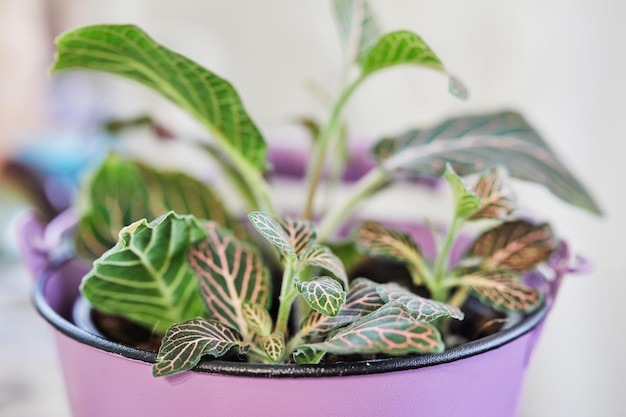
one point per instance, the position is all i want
(481, 378)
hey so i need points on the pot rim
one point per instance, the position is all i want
(367, 367)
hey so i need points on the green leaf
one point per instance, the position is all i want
(422, 309)
(305, 355)
(145, 276)
(230, 273)
(391, 329)
(466, 202)
(362, 299)
(274, 346)
(271, 230)
(127, 51)
(502, 290)
(516, 245)
(497, 198)
(301, 233)
(121, 192)
(322, 294)
(321, 256)
(376, 240)
(357, 27)
(397, 48)
(184, 345)
(258, 318)
(472, 144)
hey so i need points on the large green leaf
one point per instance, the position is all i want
(121, 192)
(231, 275)
(145, 277)
(517, 246)
(391, 329)
(358, 29)
(422, 309)
(502, 290)
(127, 51)
(322, 294)
(471, 144)
(184, 345)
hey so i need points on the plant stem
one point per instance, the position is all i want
(364, 187)
(288, 294)
(440, 292)
(315, 168)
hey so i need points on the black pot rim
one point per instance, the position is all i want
(400, 363)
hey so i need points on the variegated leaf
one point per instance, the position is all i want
(472, 144)
(357, 26)
(274, 346)
(301, 233)
(127, 51)
(258, 318)
(322, 294)
(391, 329)
(497, 198)
(271, 230)
(122, 191)
(503, 290)
(184, 345)
(422, 309)
(466, 202)
(362, 299)
(322, 257)
(516, 245)
(305, 355)
(230, 273)
(374, 239)
(145, 277)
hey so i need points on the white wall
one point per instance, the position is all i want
(560, 62)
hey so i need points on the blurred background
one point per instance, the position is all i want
(559, 62)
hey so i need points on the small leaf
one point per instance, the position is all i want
(497, 198)
(322, 257)
(516, 245)
(322, 294)
(301, 233)
(258, 318)
(274, 346)
(357, 26)
(184, 345)
(422, 309)
(362, 299)
(305, 355)
(472, 144)
(465, 201)
(401, 47)
(145, 277)
(503, 290)
(374, 239)
(391, 329)
(230, 273)
(271, 230)
(127, 51)
(457, 88)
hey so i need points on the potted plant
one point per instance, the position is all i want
(201, 310)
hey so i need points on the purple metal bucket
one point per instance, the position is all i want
(103, 378)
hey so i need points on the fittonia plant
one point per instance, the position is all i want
(199, 277)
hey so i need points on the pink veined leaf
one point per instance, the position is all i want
(271, 230)
(517, 245)
(361, 300)
(274, 346)
(422, 309)
(498, 199)
(301, 233)
(258, 318)
(184, 345)
(391, 329)
(322, 257)
(322, 294)
(503, 290)
(230, 273)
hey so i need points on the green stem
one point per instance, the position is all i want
(315, 168)
(364, 187)
(288, 294)
(293, 345)
(440, 291)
